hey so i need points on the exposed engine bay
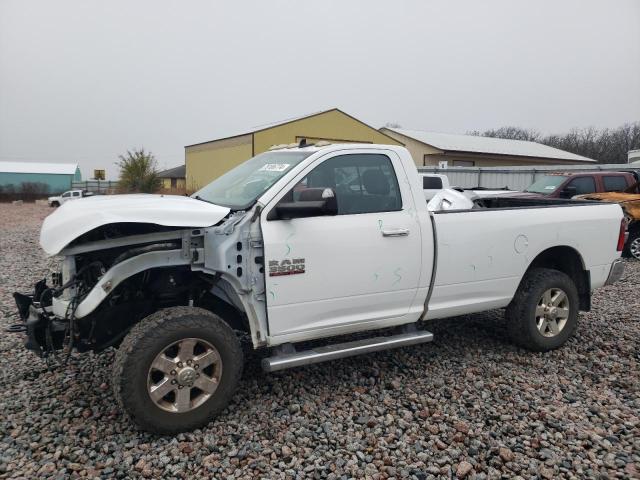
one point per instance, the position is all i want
(115, 275)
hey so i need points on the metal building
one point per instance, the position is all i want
(208, 160)
(517, 178)
(43, 177)
(451, 150)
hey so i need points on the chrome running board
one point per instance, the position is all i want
(342, 350)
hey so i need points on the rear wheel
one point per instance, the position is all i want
(544, 311)
(177, 369)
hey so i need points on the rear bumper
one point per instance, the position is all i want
(617, 269)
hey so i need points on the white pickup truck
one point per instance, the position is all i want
(58, 200)
(301, 244)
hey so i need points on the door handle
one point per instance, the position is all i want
(395, 232)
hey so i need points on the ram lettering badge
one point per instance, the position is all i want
(294, 266)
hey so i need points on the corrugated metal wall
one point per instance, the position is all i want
(514, 178)
(56, 183)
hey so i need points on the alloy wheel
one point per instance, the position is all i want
(184, 375)
(552, 312)
(634, 248)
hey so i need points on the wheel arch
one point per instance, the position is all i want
(223, 300)
(567, 260)
(164, 287)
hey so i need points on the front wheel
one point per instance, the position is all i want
(177, 369)
(544, 311)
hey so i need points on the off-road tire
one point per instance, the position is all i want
(634, 236)
(149, 337)
(521, 312)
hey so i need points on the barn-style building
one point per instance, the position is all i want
(208, 160)
(43, 177)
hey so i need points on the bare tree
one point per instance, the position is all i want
(604, 145)
(510, 133)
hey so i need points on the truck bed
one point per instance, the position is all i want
(482, 253)
(525, 202)
(511, 202)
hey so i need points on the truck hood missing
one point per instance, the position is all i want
(76, 218)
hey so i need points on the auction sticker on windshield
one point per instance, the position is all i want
(275, 167)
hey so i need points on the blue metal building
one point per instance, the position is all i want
(51, 177)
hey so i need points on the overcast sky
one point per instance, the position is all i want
(83, 81)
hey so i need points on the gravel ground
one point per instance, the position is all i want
(467, 405)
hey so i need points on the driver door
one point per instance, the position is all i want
(352, 270)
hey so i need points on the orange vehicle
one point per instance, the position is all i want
(629, 200)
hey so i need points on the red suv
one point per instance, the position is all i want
(568, 184)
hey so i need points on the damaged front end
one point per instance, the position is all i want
(114, 275)
(48, 314)
(89, 307)
(110, 280)
(45, 333)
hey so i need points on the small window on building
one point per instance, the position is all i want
(431, 183)
(583, 185)
(615, 183)
(463, 163)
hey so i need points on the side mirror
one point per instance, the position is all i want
(313, 202)
(568, 192)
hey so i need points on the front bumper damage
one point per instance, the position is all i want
(44, 333)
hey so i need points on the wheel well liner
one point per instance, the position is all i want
(569, 261)
(153, 289)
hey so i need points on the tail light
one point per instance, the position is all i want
(622, 237)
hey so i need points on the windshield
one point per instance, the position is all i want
(546, 184)
(240, 187)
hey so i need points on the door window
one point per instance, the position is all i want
(66, 194)
(76, 194)
(363, 183)
(615, 183)
(583, 185)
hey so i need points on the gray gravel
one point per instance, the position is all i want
(467, 405)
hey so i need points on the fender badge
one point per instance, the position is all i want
(294, 266)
